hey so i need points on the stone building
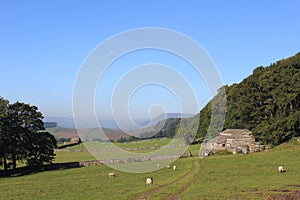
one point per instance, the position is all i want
(234, 140)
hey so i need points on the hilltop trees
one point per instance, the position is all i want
(22, 135)
(267, 103)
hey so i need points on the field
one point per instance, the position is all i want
(252, 176)
(80, 153)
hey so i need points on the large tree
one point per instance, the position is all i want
(3, 133)
(22, 136)
(40, 148)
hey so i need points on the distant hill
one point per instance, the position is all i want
(66, 122)
(165, 116)
(163, 126)
(50, 124)
(61, 121)
(89, 134)
(60, 132)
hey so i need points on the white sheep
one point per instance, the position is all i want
(111, 174)
(174, 167)
(149, 181)
(168, 166)
(281, 169)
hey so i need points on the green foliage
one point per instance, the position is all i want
(168, 129)
(187, 129)
(21, 136)
(267, 103)
(3, 136)
(127, 139)
(40, 148)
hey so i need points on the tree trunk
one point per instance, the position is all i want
(4, 163)
(14, 162)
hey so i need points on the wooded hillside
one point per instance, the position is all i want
(267, 103)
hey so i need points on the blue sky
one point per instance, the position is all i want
(44, 43)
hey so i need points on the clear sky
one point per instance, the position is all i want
(44, 43)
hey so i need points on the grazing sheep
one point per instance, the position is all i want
(111, 174)
(157, 164)
(149, 181)
(174, 167)
(281, 169)
(168, 166)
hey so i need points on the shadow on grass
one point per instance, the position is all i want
(21, 171)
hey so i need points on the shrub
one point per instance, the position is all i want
(221, 152)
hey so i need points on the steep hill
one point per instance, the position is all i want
(267, 102)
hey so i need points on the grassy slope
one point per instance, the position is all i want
(252, 176)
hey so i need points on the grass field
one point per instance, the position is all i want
(137, 144)
(252, 176)
(107, 150)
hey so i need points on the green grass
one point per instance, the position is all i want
(63, 156)
(137, 144)
(107, 150)
(194, 149)
(252, 176)
(84, 183)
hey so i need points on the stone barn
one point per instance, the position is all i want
(233, 140)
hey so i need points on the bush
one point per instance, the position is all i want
(221, 153)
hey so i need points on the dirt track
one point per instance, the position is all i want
(183, 181)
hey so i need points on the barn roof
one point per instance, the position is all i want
(219, 139)
(235, 132)
(230, 133)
